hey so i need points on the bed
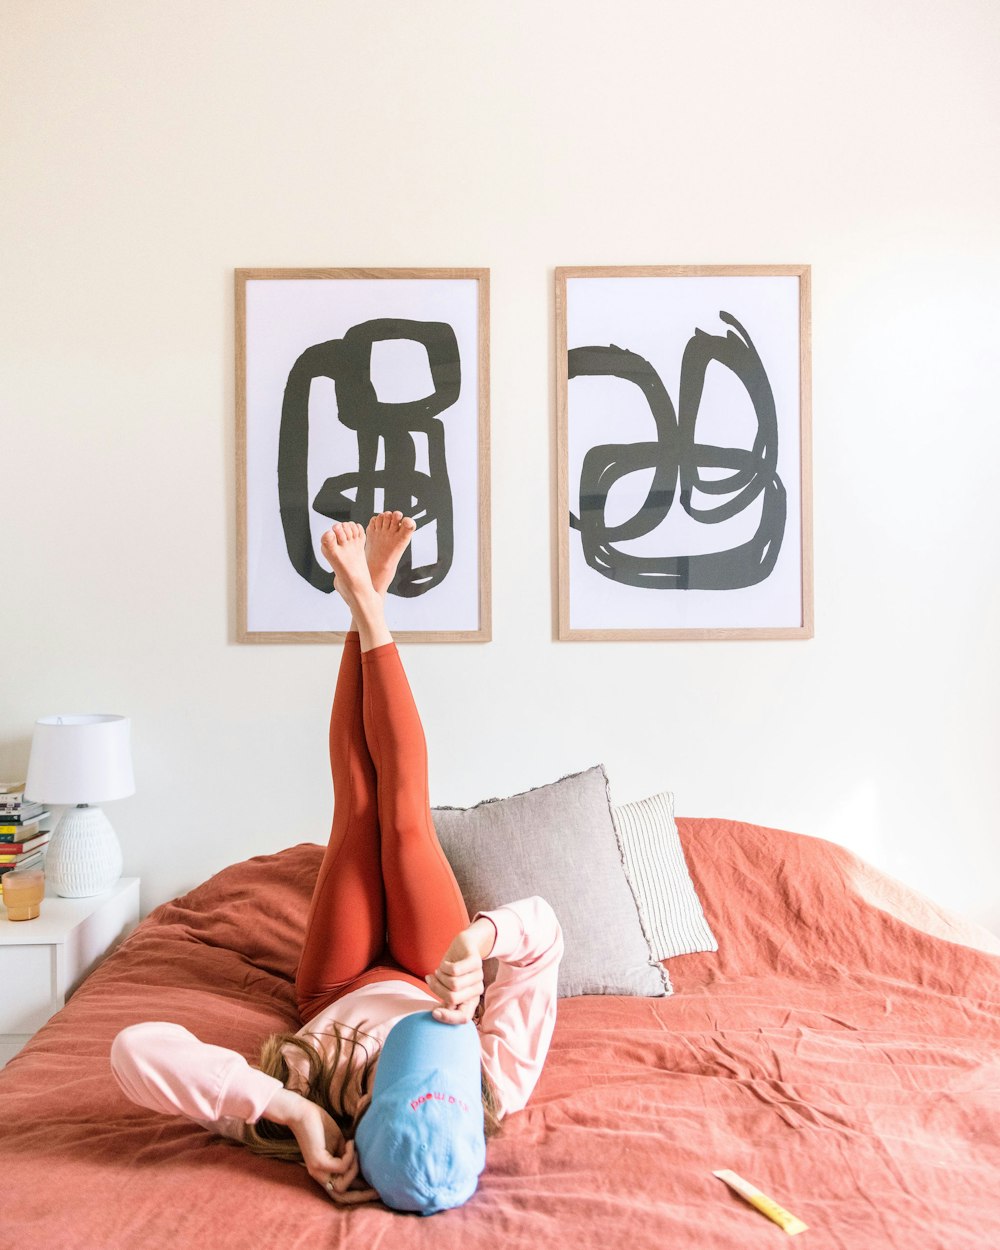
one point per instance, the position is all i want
(841, 1050)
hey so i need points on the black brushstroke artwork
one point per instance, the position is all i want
(676, 460)
(424, 496)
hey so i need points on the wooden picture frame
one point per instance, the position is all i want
(644, 552)
(357, 391)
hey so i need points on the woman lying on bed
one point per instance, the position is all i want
(389, 1089)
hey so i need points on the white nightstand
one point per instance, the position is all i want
(42, 961)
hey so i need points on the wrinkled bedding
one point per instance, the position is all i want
(841, 1051)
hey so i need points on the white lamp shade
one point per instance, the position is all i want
(80, 759)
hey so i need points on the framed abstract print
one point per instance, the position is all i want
(683, 494)
(360, 391)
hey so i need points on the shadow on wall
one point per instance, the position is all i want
(15, 747)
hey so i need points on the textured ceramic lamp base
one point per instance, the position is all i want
(83, 855)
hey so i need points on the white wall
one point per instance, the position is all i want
(149, 148)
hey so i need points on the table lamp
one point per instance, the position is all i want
(84, 761)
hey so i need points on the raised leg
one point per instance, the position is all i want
(424, 906)
(345, 929)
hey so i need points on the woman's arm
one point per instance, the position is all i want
(164, 1067)
(519, 1011)
(458, 979)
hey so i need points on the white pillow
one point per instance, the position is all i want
(654, 862)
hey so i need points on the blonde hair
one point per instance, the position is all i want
(332, 1094)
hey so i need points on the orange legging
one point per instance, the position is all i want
(386, 903)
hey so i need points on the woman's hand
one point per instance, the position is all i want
(458, 979)
(341, 1176)
(330, 1160)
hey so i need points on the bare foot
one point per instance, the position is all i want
(344, 546)
(388, 536)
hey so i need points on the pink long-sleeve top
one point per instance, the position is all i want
(166, 1068)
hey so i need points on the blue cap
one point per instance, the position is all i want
(421, 1143)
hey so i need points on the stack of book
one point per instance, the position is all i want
(22, 838)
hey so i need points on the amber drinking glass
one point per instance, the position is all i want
(22, 893)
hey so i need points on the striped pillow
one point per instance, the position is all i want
(657, 872)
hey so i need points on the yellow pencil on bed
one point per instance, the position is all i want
(767, 1206)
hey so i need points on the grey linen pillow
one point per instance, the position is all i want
(558, 841)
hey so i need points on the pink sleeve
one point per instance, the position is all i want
(519, 1011)
(164, 1067)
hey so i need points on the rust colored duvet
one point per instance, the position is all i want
(841, 1051)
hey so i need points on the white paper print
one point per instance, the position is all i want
(684, 453)
(362, 395)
